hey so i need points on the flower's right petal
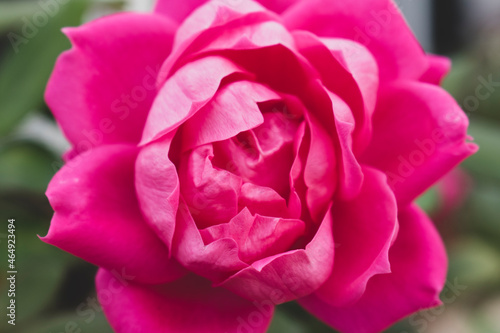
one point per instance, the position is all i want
(419, 135)
(189, 305)
(364, 229)
(438, 68)
(418, 265)
(377, 24)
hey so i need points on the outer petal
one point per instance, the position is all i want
(364, 230)
(177, 10)
(225, 25)
(102, 89)
(97, 216)
(189, 305)
(289, 275)
(419, 134)
(419, 265)
(377, 24)
(438, 68)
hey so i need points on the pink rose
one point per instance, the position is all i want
(230, 156)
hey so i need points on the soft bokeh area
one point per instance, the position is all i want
(55, 291)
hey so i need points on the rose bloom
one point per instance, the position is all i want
(229, 156)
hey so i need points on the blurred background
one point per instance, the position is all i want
(54, 287)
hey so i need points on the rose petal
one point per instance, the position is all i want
(364, 230)
(290, 275)
(277, 6)
(257, 236)
(350, 72)
(189, 305)
(265, 201)
(185, 93)
(438, 68)
(210, 193)
(419, 266)
(234, 109)
(377, 24)
(225, 25)
(215, 261)
(418, 146)
(102, 89)
(157, 187)
(97, 216)
(177, 10)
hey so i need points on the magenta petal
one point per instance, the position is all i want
(189, 305)
(157, 186)
(438, 68)
(418, 264)
(234, 109)
(418, 146)
(277, 6)
(215, 261)
(265, 201)
(349, 71)
(177, 10)
(377, 24)
(185, 93)
(210, 193)
(102, 89)
(290, 275)
(364, 229)
(257, 236)
(97, 216)
(213, 14)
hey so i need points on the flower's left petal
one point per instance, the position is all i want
(189, 305)
(97, 216)
(290, 275)
(419, 266)
(102, 89)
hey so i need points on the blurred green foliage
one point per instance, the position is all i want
(52, 284)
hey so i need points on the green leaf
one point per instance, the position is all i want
(24, 75)
(11, 12)
(429, 201)
(25, 166)
(486, 162)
